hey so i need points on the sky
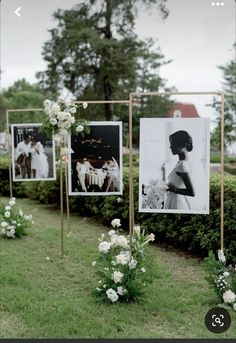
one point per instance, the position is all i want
(196, 36)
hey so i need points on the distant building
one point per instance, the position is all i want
(180, 110)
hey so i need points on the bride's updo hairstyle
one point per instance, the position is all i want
(182, 139)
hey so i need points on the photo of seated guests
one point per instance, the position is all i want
(95, 160)
(33, 153)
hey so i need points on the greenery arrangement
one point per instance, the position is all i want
(222, 278)
(14, 223)
(123, 276)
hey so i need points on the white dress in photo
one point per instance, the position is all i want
(173, 200)
(39, 161)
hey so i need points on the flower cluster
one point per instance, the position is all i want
(61, 117)
(123, 274)
(14, 222)
(222, 278)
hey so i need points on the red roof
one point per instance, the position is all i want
(187, 110)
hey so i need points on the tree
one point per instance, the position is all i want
(21, 95)
(95, 54)
(229, 87)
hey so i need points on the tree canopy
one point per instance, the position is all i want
(94, 52)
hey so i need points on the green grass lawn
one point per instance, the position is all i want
(52, 299)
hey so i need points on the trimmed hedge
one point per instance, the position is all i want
(197, 234)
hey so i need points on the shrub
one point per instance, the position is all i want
(197, 234)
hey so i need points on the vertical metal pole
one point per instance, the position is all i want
(131, 193)
(9, 154)
(67, 194)
(222, 175)
(61, 199)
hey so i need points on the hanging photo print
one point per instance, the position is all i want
(174, 165)
(95, 160)
(33, 153)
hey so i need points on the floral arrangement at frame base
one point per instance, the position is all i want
(14, 223)
(222, 278)
(123, 277)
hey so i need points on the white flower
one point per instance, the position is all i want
(7, 214)
(14, 222)
(104, 247)
(112, 295)
(12, 202)
(229, 296)
(116, 223)
(21, 213)
(122, 242)
(73, 110)
(221, 256)
(121, 290)
(4, 224)
(111, 233)
(137, 230)
(29, 218)
(79, 128)
(143, 270)
(53, 121)
(61, 116)
(55, 108)
(123, 258)
(98, 289)
(85, 105)
(117, 276)
(119, 200)
(47, 103)
(11, 233)
(234, 307)
(132, 264)
(226, 274)
(72, 120)
(57, 138)
(151, 237)
(7, 208)
(47, 258)
(94, 263)
(64, 151)
(3, 231)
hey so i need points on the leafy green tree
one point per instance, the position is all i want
(21, 95)
(229, 87)
(95, 54)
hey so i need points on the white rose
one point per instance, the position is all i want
(7, 208)
(143, 270)
(55, 108)
(4, 224)
(226, 274)
(12, 202)
(116, 223)
(94, 263)
(122, 242)
(85, 105)
(111, 233)
(72, 120)
(132, 264)
(21, 213)
(117, 277)
(221, 256)
(53, 121)
(61, 116)
(7, 214)
(121, 290)
(137, 230)
(73, 110)
(47, 103)
(112, 295)
(123, 258)
(79, 128)
(104, 247)
(229, 296)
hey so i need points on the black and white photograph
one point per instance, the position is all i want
(95, 160)
(174, 165)
(33, 153)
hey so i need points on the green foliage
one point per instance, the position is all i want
(95, 54)
(197, 234)
(221, 277)
(123, 279)
(21, 95)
